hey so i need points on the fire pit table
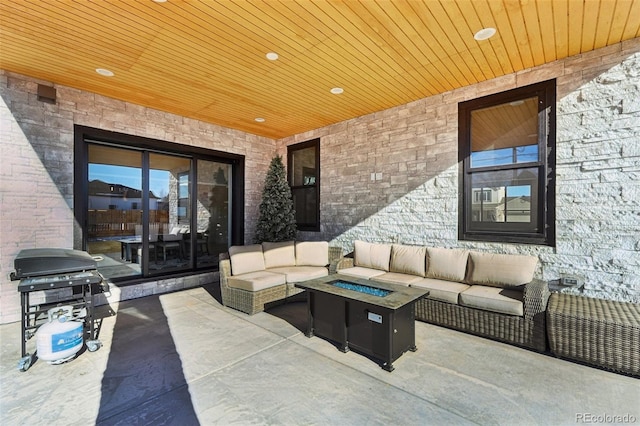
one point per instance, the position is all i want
(373, 318)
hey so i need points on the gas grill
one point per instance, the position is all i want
(50, 269)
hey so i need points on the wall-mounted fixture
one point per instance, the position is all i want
(46, 94)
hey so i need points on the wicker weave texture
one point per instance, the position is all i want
(600, 332)
(521, 331)
(252, 302)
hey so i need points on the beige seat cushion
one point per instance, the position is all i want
(370, 255)
(397, 278)
(360, 272)
(296, 274)
(408, 260)
(445, 291)
(501, 270)
(447, 264)
(312, 253)
(279, 254)
(245, 259)
(493, 299)
(255, 281)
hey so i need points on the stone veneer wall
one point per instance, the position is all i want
(36, 170)
(415, 148)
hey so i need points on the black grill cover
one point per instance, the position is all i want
(51, 261)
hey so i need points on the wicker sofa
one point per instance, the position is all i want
(254, 275)
(491, 295)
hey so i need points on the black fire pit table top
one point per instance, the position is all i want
(399, 295)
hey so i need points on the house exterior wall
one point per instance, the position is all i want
(415, 148)
(36, 170)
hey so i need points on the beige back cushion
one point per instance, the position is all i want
(371, 255)
(501, 270)
(245, 259)
(279, 254)
(312, 253)
(447, 264)
(408, 260)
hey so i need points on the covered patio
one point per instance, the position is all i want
(183, 358)
(141, 132)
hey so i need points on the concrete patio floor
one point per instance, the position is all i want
(184, 359)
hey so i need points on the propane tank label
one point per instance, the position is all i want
(67, 340)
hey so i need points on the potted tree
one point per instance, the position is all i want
(277, 218)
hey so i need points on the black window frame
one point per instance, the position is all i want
(84, 136)
(502, 231)
(314, 143)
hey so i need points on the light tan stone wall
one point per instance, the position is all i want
(36, 169)
(414, 150)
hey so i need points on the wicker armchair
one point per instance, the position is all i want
(252, 302)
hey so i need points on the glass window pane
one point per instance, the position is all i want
(505, 134)
(184, 204)
(505, 196)
(304, 202)
(169, 230)
(213, 211)
(303, 168)
(114, 232)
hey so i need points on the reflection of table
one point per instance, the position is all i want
(129, 248)
(382, 327)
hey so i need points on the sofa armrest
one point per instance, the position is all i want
(224, 267)
(335, 256)
(536, 296)
(345, 262)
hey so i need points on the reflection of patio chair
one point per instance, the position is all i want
(171, 242)
(153, 238)
(202, 245)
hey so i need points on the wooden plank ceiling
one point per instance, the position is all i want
(205, 59)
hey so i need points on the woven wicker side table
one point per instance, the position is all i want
(600, 332)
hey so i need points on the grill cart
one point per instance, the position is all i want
(50, 270)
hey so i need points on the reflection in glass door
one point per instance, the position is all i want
(151, 213)
(114, 216)
(213, 211)
(169, 217)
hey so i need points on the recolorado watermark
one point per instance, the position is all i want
(605, 418)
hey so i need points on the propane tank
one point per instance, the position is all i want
(59, 340)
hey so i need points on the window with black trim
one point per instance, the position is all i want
(507, 166)
(303, 165)
(149, 208)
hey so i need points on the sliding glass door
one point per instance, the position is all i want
(169, 219)
(114, 214)
(155, 213)
(213, 210)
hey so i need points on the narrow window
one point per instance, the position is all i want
(303, 161)
(506, 146)
(183, 197)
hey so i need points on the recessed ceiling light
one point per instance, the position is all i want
(260, 119)
(485, 33)
(159, 1)
(105, 72)
(272, 56)
(337, 90)
(516, 103)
